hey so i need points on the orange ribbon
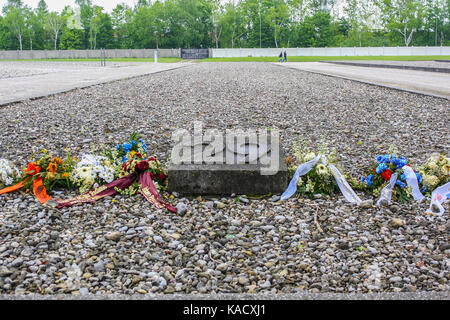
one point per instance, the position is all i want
(38, 186)
(13, 188)
(40, 192)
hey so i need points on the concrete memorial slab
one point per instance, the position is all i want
(240, 163)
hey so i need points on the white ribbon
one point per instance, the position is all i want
(411, 180)
(301, 170)
(345, 188)
(438, 197)
(306, 167)
(386, 193)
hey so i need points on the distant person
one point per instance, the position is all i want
(285, 56)
(281, 56)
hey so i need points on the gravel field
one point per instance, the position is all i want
(126, 246)
(13, 69)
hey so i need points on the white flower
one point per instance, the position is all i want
(322, 170)
(310, 156)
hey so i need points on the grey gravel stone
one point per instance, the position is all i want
(205, 250)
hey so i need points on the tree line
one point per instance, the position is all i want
(226, 24)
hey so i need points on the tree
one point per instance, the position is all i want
(72, 39)
(402, 16)
(55, 24)
(120, 20)
(31, 25)
(101, 29)
(217, 13)
(358, 15)
(86, 15)
(316, 31)
(15, 22)
(42, 7)
(233, 23)
(277, 17)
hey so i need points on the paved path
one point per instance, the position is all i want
(428, 83)
(59, 80)
(431, 66)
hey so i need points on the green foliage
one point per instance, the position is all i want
(244, 23)
(71, 39)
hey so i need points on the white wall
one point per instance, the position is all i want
(348, 51)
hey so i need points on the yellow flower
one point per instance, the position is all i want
(132, 153)
(430, 181)
(50, 176)
(446, 169)
(65, 175)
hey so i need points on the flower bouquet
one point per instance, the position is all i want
(434, 173)
(131, 158)
(319, 179)
(134, 170)
(122, 152)
(390, 169)
(44, 173)
(91, 172)
(135, 164)
(8, 173)
(314, 174)
(53, 171)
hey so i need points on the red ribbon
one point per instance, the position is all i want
(149, 191)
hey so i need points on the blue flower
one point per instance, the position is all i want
(401, 184)
(369, 180)
(381, 167)
(403, 177)
(401, 163)
(380, 158)
(363, 179)
(386, 158)
(134, 142)
(124, 159)
(423, 190)
(118, 147)
(419, 177)
(127, 147)
(144, 146)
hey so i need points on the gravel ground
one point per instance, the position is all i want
(126, 246)
(13, 69)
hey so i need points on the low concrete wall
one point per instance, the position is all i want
(344, 51)
(80, 54)
(227, 53)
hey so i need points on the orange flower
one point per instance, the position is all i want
(65, 175)
(58, 161)
(33, 169)
(52, 167)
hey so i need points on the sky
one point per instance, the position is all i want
(58, 5)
